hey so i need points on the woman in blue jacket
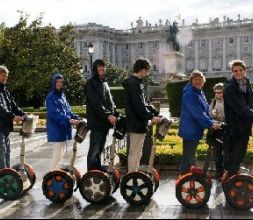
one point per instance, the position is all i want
(194, 119)
(59, 120)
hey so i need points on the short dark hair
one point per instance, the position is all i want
(96, 64)
(240, 63)
(141, 64)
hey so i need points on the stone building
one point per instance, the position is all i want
(207, 47)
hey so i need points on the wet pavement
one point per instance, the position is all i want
(163, 206)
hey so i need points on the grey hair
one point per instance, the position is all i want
(219, 86)
(4, 69)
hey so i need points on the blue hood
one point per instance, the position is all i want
(55, 78)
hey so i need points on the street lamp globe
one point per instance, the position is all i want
(91, 48)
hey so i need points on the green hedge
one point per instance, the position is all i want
(41, 112)
(175, 89)
(118, 94)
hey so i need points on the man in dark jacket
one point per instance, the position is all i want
(137, 113)
(9, 112)
(100, 113)
(238, 98)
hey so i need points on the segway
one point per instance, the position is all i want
(238, 190)
(21, 178)
(137, 188)
(193, 190)
(97, 186)
(58, 186)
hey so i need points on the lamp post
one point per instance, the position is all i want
(91, 52)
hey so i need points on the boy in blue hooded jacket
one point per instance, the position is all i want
(59, 120)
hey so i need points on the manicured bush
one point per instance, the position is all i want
(175, 90)
(119, 95)
(169, 151)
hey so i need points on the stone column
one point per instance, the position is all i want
(210, 51)
(133, 53)
(161, 52)
(108, 52)
(184, 59)
(197, 54)
(238, 47)
(113, 53)
(146, 51)
(225, 64)
(252, 54)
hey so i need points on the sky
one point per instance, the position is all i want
(120, 13)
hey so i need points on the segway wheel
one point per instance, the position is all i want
(156, 178)
(116, 179)
(193, 191)
(58, 186)
(76, 174)
(137, 188)
(11, 184)
(95, 187)
(30, 174)
(239, 192)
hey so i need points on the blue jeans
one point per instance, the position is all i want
(97, 145)
(189, 154)
(5, 150)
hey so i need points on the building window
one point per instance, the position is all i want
(140, 45)
(203, 43)
(217, 64)
(217, 42)
(246, 39)
(154, 68)
(127, 47)
(246, 61)
(85, 68)
(189, 65)
(155, 45)
(202, 64)
(231, 41)
(190, 45)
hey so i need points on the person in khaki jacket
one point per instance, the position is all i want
(217, 113)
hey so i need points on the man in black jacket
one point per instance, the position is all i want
(9, 111)
(100, 113)
(238, 98)
(137, 112)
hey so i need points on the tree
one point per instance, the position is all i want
(33, 53)
(115, 75)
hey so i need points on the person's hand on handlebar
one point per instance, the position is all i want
(156, 120)
(18, 119)
(216, 126)
(74, 122)
(112, 119)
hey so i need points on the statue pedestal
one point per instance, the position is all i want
(174, 63)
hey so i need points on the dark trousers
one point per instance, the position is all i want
(97, 145)
(219, 158)
(235, 150)
(189, 154)
(5, 150)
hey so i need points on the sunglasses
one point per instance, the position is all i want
(218, 92)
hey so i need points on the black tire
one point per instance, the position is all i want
(58, 186)
(30, 174)
(116, 179)
(137, 188)
(11, 184)
(190, 195)
(239, 192)
(95, 187)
